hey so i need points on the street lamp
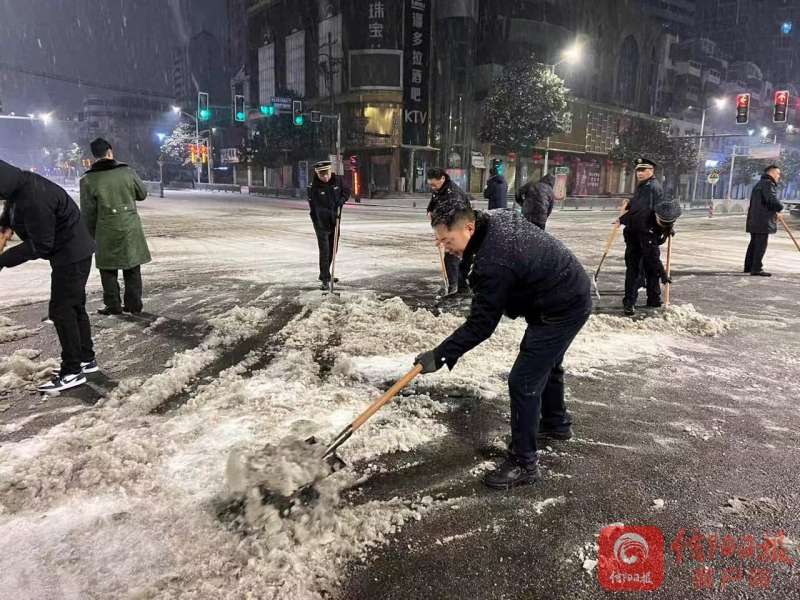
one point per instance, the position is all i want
(570, 56)
(719, 103)
(45, 117)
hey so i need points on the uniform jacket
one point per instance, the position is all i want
(109, 193)
(641, 217)
(325, 200)
(45, 218)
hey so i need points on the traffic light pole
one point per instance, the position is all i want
(699, 154)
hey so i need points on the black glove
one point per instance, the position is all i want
(429, 362)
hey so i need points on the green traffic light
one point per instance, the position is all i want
(299, 120)
(240, 116)
(205, 114)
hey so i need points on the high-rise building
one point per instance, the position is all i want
(764, 32)
(676, 16)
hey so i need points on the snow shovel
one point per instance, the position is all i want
(669, 263)
(609, 242)
(308, 493)
(335, 246)
(788, 231)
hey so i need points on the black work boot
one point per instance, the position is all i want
(654, 303)
(555, 434)
(511, 473)
(628, 309)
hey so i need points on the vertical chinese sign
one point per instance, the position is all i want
(417, 72)
(376, 26)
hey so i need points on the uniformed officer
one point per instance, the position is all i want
(520, 271)
(642, 238)
(326, 196)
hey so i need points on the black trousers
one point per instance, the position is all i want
(325, 241)
(133, 288)
(755, 252)
(68, 312)
(642, 253)
(536, 381)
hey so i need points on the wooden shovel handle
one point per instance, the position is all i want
(669, 266)
(390, 393)
(444, 268)
(788, 231)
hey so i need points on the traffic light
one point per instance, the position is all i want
(781, 108)
(742, 108)
(297, 113)
(268, 110)
(239, 113)
(203, 109)
(316, 116)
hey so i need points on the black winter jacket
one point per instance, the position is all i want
(641, 216)
(764, 206)
(325, 200)
(496, 192)
(537, 200)
(449, 190)
(44, 217)
(520, 271)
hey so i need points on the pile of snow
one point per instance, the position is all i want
(682, 319)
(10, 332)
(22, 371)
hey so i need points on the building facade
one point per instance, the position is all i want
(409, 77)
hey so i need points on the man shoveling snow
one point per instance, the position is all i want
(520, 271)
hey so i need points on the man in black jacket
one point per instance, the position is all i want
(445, 190)
(496, 190)
(642, 238)
(762, 220)
(537, 200)
(49, 224)
(326, 196)
(520, 271)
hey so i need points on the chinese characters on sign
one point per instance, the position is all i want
(416, 76)
(377, 15)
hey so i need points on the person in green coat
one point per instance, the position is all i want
(109, 193)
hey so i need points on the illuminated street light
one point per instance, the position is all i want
(176, 109)
(572, 54)
(161, 136)
(45, 117)
(764, 132)
(721, 102)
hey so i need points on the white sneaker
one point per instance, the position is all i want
(59, 383)
(90, 367)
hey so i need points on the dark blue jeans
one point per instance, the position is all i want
(536, 381)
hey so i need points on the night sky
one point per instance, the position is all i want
(122, 42)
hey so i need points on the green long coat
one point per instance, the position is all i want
(109, 193)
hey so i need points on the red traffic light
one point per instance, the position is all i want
(781, 108)
(742, 108)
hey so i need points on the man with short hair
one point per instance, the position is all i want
(520, 271)
(327, 195)
(642, 238)
(445, 190)
(109, 193)
(49, 224)
(762, 220)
